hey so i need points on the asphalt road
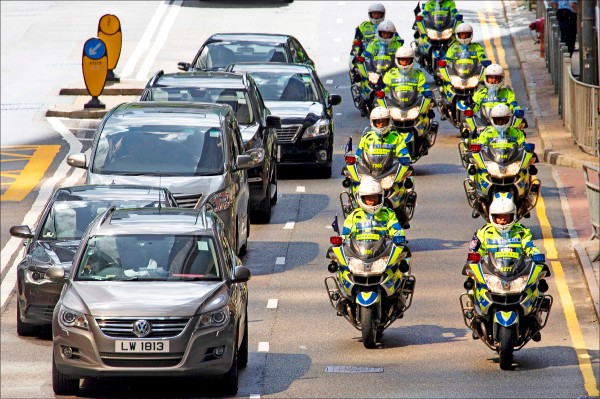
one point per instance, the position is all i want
(295, 335)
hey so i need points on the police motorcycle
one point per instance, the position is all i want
(371, 82)
(432, 45)
(358, 47)
(505, 303)
(409, 109)
(463, 75)
(499, 167)
(394, 175)
(372, 286)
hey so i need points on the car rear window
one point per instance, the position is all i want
(285, 86)
(219, 54)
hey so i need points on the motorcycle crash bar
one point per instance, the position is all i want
(473, 257)
(350, 159)
(336, 240)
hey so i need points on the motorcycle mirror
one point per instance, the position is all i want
(350, 159)
(379, 94)
(486, 63)
(427, 93)
(469, 113)
(519, 113)
(473, 256)
(360, 59)
(399, 240)
(404, 160)
(442, 63)
(459, 17)
(475, 147)
(539, 258)
(336, 240)
(529, 147)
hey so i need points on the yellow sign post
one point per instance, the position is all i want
(109, 31)
(95, 68)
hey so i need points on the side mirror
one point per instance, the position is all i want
(56, 273)
(241, 274)
(257, 154)
(184, 66)
(77, 160)
(273, 122)
(335, 99)
(486, 63)
(244, 162)
(21, 231)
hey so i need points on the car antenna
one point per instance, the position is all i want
(159, 190)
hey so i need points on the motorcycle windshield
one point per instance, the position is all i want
(405, 96)
(381, 65)
(377, 159)
(366, 246)
(506, 263)
(464, 66)
(439, 20)
(503, 151)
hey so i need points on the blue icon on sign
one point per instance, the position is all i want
(94, 48)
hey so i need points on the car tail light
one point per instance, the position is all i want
(336, 240)
(473, 256)
(350, 159)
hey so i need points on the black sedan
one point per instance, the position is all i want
(53, 242)
(256, 123)
(295, 93)
(223, 49)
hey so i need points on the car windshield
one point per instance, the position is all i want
(159, 150)
(156, 257)
(219, 54)
(237, 99)
(67, 220)
(286, 86)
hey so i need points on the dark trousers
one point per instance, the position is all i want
(567, 21)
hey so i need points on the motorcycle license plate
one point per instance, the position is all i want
(142, 346)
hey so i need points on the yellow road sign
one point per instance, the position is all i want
(95, 66)
(109, 31)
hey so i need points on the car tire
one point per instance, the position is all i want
(274, 184)
(230, 379)
(326, 172)
(244, 248)
(25, 329)
(243, 351)
(61, 384)
(263, 213)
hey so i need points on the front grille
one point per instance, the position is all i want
(146, 363)
(508, 299)
(288, 134)
(160, 327)
(41, 312)
(187, 201)
(370, 280)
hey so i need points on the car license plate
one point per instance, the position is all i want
(142, 346)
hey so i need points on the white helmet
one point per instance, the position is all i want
(494, 70)
(405, 52)
(370, 186)
(376, 7)
(386, 26)
(380, 113)
(502, 205)
(500, 117)
(464, 28)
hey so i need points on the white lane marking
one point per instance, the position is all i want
(300, 189)
(338, 113)
(160, 41)
(336, 59)
(303, 347)
(254, 396)
(263, 347)
(337, 39)
(329, 81)
(339, 20)
(280, 260)
(289, 225)
(46, 190)
(144, 42)
(329, 227)
(272, 303)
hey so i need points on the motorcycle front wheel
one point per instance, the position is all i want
(368, 321)
(506, 336)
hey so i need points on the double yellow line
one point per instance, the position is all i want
(491, 30)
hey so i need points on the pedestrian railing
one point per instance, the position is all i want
(593, 196)
(577, 101)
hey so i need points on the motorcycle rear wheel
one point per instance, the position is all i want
(369, 323)
(506, 336)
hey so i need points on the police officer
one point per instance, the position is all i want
(365, 32)
(382, 136)
(500, 118)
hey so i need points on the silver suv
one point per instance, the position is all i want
(193, 149)
(176, 308)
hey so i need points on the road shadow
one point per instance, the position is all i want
(297, 254)
(537, 358)
(423, 334)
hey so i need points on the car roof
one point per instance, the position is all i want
(194, 110)
(257, 37)
(109, 192)
(216, 79)
(156, 221)
(270, 67)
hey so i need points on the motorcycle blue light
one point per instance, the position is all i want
(427, 93)
(405, 160)
(399, 240)
(529, 147)
(539, 258)
(486, 63)
(519, 113)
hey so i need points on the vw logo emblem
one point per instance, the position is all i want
(141, 328)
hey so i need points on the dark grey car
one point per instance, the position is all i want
(193, 149)
(178, 307)
(60, 227)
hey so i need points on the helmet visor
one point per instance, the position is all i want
(493, 79)
(372, 199)
(381, 122)
(376, 14)
(500, 120)
(404, 61)
(386, 35)
(503, 219)
(464, 35)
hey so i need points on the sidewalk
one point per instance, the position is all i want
(557, 147)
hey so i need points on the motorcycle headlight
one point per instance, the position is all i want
(456, 81)
(388, 181)
(396, 113)
(433, 34)
(379, 265)
(355, 265)
(496, 284)
(472, 82)
(373, 77)
(496, 171)
(319, 129)
(71, 318)
(513, 168)
(446, 34)
(216, 318)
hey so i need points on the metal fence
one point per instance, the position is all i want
(577, 101)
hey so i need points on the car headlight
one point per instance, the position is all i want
(446, 34)
(220, 200)
(496, 284)
(496, 171)
(72, 318)
(216, 318)
(388, 181)
(319, 129)
(35, 277)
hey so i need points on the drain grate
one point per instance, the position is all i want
(353, 369)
